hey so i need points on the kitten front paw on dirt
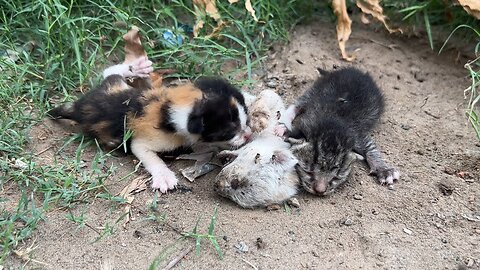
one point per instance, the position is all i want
(163, 181)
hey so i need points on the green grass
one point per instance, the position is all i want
(183, 241)
(73, 41)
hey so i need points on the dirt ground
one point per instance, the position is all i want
(429, 220)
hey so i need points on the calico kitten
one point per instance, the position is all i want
(160, 118)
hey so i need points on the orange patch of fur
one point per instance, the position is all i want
(146, 127)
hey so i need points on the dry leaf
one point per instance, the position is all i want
(137, 185)
(344, 24)
(133, 45)
(249, 8)
(372, 7)
(24, 254)
(210, 8)
(472, 7)
(217, 29)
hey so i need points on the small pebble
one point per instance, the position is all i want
(293, 202)
(137, 234)
(260, 244)
(470, 262)
(444, 241)
(407, 231)
(315, 254)
(357, 197)
(273, 207)
(225, 238)
(405, 127)
(348, 222)
(272, 84)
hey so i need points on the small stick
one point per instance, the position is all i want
(173, 262)
(43, 151)
(249, 263)
(432, 115)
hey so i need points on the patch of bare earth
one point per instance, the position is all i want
(428, 221)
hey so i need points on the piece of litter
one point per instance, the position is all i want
(407, 231)
(193, 172)
(241, 247)
(19, 164)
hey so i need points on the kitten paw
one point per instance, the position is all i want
(386, 175)
(164, 180)
(280, 129)
(140, 67)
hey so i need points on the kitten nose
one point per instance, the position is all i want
(320, 186)
(247, 136)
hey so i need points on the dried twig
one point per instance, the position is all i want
(432, 115)
(175, 260)
(251, 264)
(43, 151)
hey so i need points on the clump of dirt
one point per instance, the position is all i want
(415, 225)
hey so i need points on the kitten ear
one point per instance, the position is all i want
(227, 156)
(249, 98)
(279, 157)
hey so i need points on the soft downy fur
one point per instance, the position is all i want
(263, 171)
(161, 119)
(331, 125)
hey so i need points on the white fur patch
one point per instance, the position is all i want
(119, 69)
(179, 117)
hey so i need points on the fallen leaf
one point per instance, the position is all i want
(133, 45)
(137, 185)
(209, 8)
(472, 7)
(344, 27)
(249, 8)
(216, 30)
(24, 254)
(372, 7)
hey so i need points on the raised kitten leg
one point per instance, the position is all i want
(140, 67)
(162, 177)
(285, 121)
(385, 174)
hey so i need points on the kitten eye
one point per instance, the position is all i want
(257, 157)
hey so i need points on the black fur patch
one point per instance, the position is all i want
(100, 105)
(166, 119)
(215, 117)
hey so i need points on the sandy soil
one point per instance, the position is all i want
(430, 220)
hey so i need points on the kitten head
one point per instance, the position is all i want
(221, 115)
(326, 159)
